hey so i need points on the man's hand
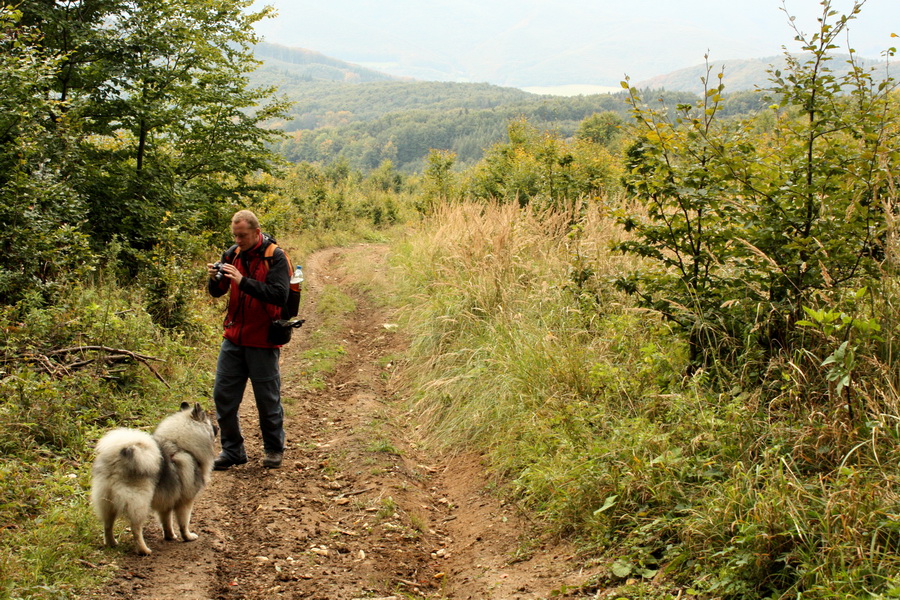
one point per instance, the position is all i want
(230, 271)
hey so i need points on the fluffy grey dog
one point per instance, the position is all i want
(136, 474)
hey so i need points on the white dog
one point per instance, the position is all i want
(136, 474)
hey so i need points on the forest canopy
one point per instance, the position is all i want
(368, 123)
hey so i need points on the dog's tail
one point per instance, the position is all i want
(130, 452)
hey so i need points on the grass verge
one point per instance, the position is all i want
(522, 348)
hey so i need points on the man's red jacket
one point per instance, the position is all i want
(259, 298)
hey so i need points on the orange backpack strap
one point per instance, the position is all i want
(270, 252)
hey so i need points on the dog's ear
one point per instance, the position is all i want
(198, 414)
(185, 406)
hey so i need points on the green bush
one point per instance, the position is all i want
(540, 167)
(747, 222)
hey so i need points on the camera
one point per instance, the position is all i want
(219, 271)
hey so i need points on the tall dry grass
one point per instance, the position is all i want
(491, 299)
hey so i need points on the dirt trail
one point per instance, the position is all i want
(357, 510)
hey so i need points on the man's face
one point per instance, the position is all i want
(245, 236)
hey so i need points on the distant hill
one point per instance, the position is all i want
(366, 124)
(345, 112)
(747, 74)
(283, 65)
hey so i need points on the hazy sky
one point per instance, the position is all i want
(522, 42)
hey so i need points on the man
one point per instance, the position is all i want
(258, 290)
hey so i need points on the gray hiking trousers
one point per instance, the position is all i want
(236, 364)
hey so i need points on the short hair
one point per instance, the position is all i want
(246, 216)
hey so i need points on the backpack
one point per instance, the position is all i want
(292, 306)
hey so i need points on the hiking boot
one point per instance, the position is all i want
(272, 460)
(223, 462)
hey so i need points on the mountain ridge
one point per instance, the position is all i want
(344, 112)
(302, 64)
(753, 73)
(285, 64)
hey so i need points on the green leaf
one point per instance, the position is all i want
(607, 504)
(622, 569)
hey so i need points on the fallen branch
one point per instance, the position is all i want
(105, 349)
(115, 355)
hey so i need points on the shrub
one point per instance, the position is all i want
(523, 349)
(748, 228)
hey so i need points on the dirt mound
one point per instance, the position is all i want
(357, 510)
